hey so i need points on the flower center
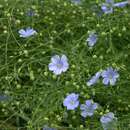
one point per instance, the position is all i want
(72, 102)
(59, 65)
(110, 76)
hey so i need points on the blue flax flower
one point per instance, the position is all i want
(107, 9)
(49, 129)
(3, 97)
(27, 32)
(71, 101)
(121, 4)
(110, 76)
(94, 79)
(108, 6)
(108, 121)
(76, 1)
(92, 39)
(58, 64)
(88, 108)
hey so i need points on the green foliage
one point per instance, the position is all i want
(35, 94)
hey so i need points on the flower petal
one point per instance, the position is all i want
(106, 81)
(52, 66)
(57, 71)
(84, 114)
(55, 59)
(112, 81)
(88, 103)
(95, 106)
(21, 31)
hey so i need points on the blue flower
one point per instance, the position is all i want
(107, 117)
(108, 121)
(76, 1)
(58, 64)
(88, 108)
(27, 32)
(110, 76)
(94, 79)
(71, 101)
(110, 1)
(108, 6)
(107, 9)
(92, 39)
(3, 97)
(49, 129)
(121, 4)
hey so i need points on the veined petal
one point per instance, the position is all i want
(95, 106)
(84, 114)
(90, 113)
(121, 4)
(64, 58)
(82, 106)
(112, 81)
(106, 81)
(94, 79)
(52, 66)
(55, 59)
(88, 102)
(21, 31)
(104, 74)
(57, 71)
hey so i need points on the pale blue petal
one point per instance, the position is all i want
(52, 66)
(57, 71)
(90, 113)
(106, 81)
(21, 31)
(112, 81)
(94, 79)
(83, 107)
(121, 4)
(84, 114)
(55, 59)
(95, 106)
(88, 103)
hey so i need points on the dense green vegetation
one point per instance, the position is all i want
(31, 95)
